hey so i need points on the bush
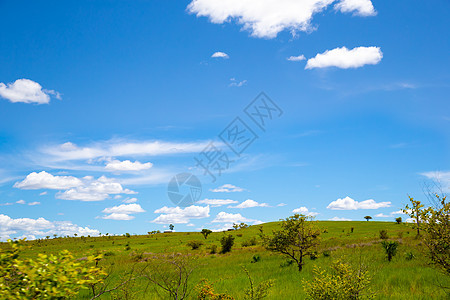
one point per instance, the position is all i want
(250, 242)
(398, 220)
(255, 258)
(213, 249)
(287, 263)
(342, 282)
(384, 234)
(195, 244)
(46, 277)
(326, 253)
(390, 248)
(313, 255)
(409, 256)
(227, 242)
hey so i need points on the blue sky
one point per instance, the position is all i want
(103, 102)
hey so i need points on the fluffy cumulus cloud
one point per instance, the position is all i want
(267, 18)
(217, 202)
(349, 204)
(296, 58)
(126, 165)
(357, 7)
(224, 217)
(26, 91)
(122, 212)
(44, 180)
(177, 215)
(39, 227)
(227, 188)
(304, 211)
(94, 190)
(220, 55)
(250, 203)
(84, 189)
(344, 58)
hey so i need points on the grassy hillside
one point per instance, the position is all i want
(399, 279)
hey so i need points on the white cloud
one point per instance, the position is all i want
(44, 180)
(349, 204)
(362, 8)
(442, 179)
(124, 209)
(227, 188)
(398, 212)
(177, 215)
(126, 165)
(217, 202)
(282, 204)
(118, 217)
(344, 58)
(224, 217)
(296, 58)
(381, 215)
(40, 227)
(304, 211)
(220, 55)
(250, 203)
(94, 190)
(114, 148)
(237, 83)
(43, 194)
(339, 219)
(34, 203)
(21, 202)
(267, 18)
(26, 91)
(129, 200)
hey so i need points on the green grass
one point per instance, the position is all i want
(399, 279)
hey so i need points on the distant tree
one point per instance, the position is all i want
(414, 211)
(368, 218)
(390, 248)
(171, 227)
(241, 225)
(206, 232)
(298, 237)
(398, 220)
(75, 234)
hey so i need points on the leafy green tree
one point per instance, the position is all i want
(398, 220)
(171, 227)
(368, 218)
(227, 242)
(206, 232)
(298, 237)
(390, 247)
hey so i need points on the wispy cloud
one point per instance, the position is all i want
(220, 55)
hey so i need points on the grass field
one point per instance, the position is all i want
(399, 279)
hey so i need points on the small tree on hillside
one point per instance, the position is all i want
(298, 237)
(390, 248)
(414, 211)
(171, 227)
(206, 232)
(368, 218)
(398, 220)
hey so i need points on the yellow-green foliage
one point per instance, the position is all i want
(342, 283)
(46, 277)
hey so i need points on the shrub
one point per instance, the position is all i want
(343, 282)
(351, 229)
(257, 292)
(239, 234)
(398, 220)
(409, 256)
(256, 258)
(58, 276)
(227, 242)
(127, 235)
(390, 248)
(213, 249)
(206, 292)
(287, 263)
(250, 242)
(313, 255)
(384, 234)
(326, 253)
(195, 244)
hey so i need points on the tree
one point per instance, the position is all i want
(390, 248)
(206, 232)
(414, 211)
(436, 229)
(398, 220)
(227, 242)
(368, 218)
(298, 237)
(171, 227)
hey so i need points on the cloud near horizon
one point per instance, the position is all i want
(349, 204)
(344, 58)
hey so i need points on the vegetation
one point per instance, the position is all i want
(206, 232)
(297, 238)
(227, 242)
(368, 218)
(390, 248)
(415, 212)
(398, 220)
